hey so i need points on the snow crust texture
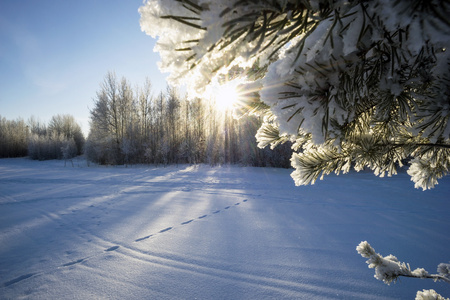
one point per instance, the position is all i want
(197, 232)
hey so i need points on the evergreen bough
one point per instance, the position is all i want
(354, 84)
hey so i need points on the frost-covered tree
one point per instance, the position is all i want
(13, 137)
(353, 84)
(69, 150)
(67, 126)
(109, 119)
(62, 138)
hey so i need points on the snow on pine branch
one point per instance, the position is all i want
(333, 71)
(389, 268)
(429, 295)
(193, 55)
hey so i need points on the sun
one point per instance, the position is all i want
(227, 95)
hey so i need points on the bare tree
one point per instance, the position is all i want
(13, 138)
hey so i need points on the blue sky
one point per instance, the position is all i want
(54, 54)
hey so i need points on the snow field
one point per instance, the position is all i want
(200, 232)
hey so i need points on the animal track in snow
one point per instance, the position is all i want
(73, 262)
(165, 229)
(18, 279)
(110, 249)
(143, 238)
(188, 221)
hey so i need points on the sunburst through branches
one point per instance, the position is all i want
(227, 95)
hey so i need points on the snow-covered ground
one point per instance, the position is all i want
(200, 232)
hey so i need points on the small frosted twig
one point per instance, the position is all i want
(389, 268)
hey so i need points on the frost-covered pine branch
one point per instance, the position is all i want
(429, 295)
(388, 269)
(369, 79)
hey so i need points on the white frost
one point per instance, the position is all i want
(429, 295)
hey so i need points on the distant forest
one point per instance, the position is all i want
(61, 138)
(132, 126)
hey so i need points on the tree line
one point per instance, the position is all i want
(131, 126)
(61, 138)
